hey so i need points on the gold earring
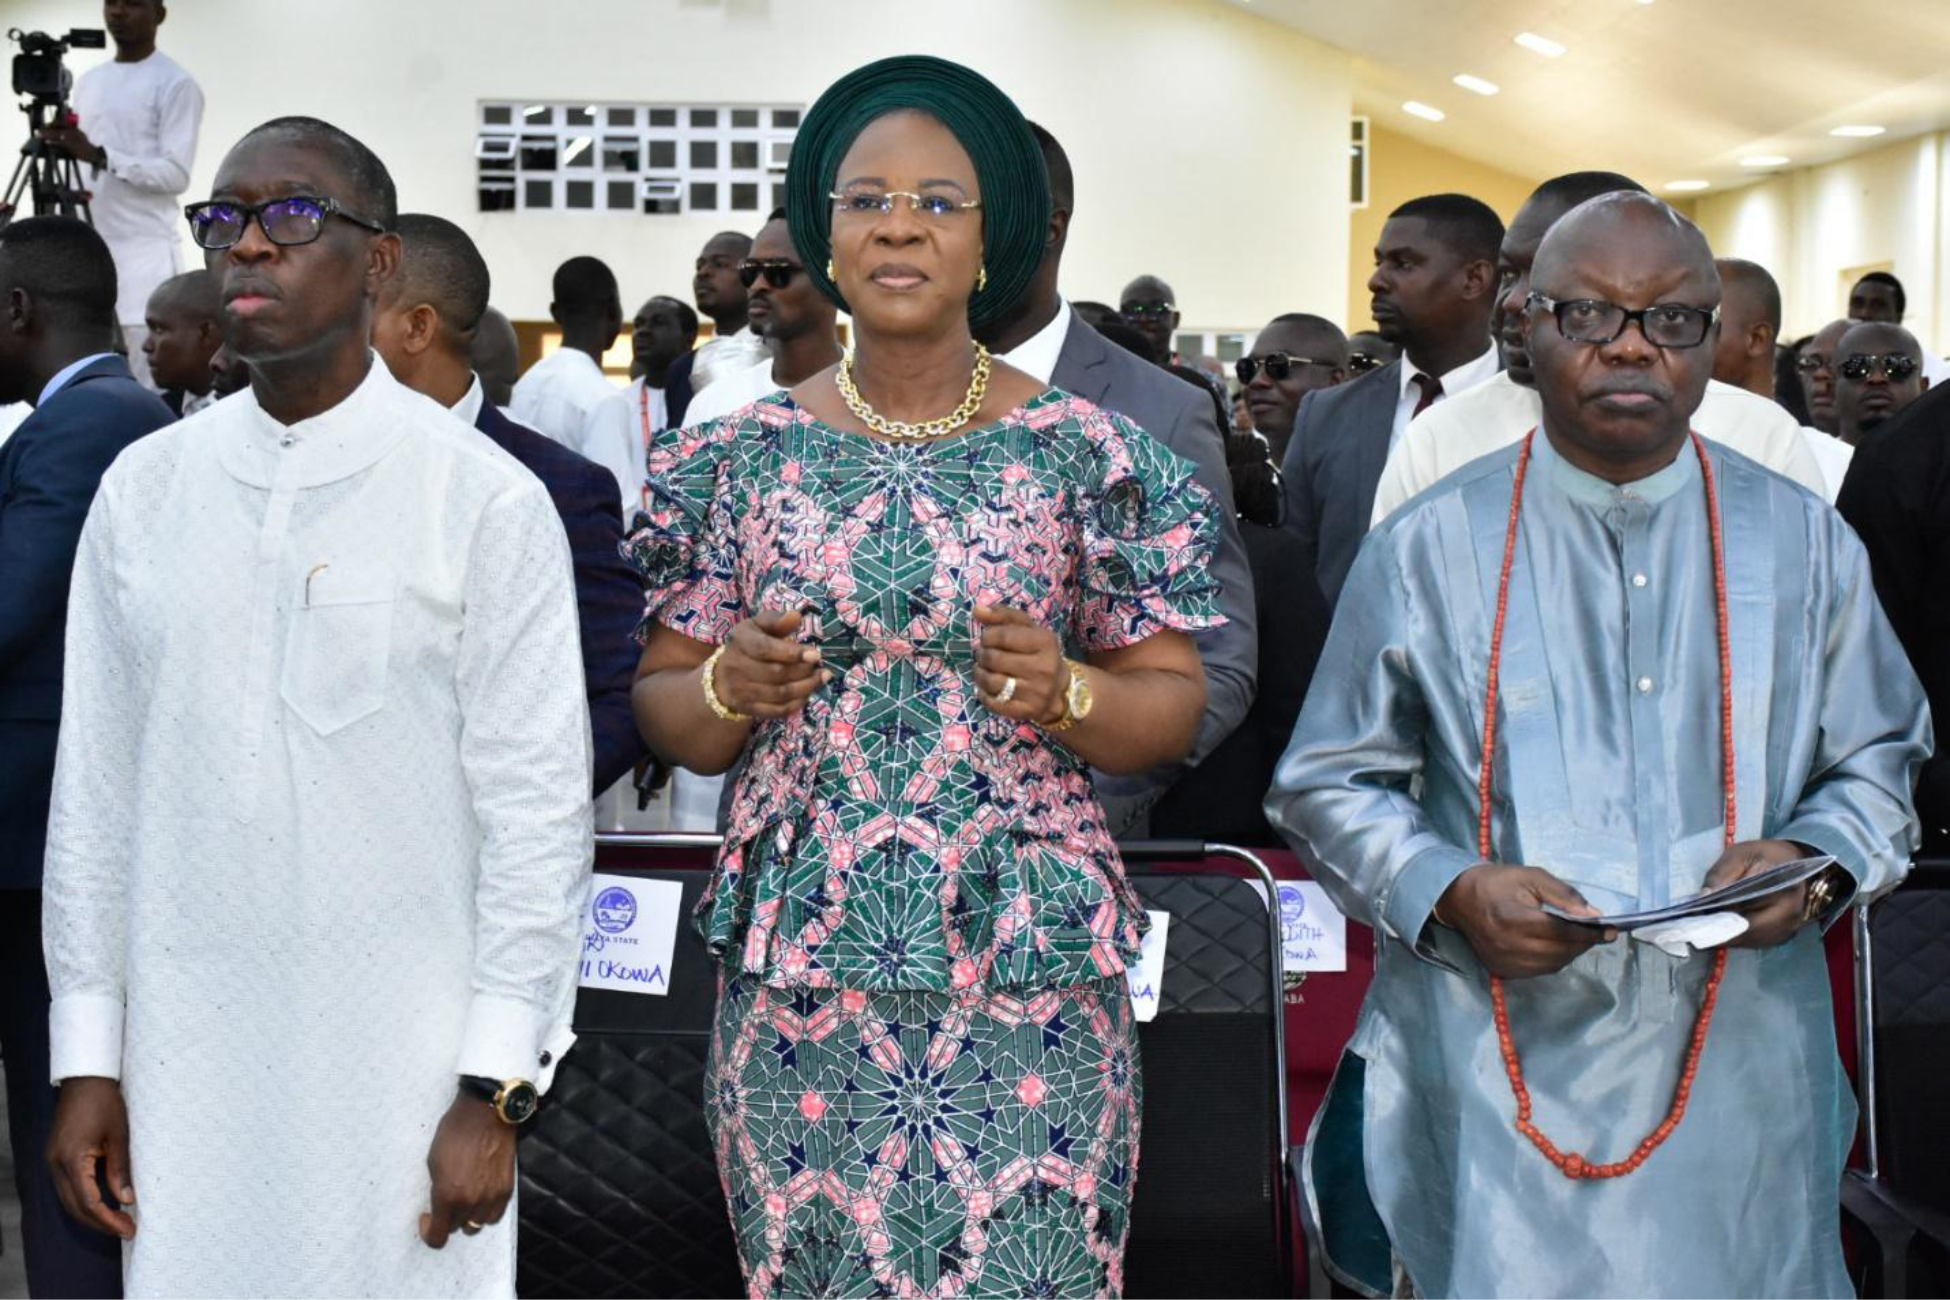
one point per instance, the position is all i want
(982, 278)
(830, 274)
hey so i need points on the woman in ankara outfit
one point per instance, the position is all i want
(923, 594)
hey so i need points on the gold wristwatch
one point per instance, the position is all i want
(1077, 699)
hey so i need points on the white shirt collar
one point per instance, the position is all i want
(67, 372)
(468, 408)
(1037, 355)
(1462, 378)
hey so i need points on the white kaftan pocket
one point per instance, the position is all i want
(341, 636)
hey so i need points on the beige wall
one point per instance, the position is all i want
(1167, 108)
(1400, 169)
(1814, 226)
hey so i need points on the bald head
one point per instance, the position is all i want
(496, 356)
(185, 328)
(1620, 407)
(1878, 368)
(1149, 307)
(1817, 370)
(1750, 322)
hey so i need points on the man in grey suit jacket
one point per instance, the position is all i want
(1042, 337)
(1433, 288)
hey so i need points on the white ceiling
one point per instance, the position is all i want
(1670, 90)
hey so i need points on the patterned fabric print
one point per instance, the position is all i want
(896, 834)
(926, 1144)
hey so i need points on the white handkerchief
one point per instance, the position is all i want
(1679, 938)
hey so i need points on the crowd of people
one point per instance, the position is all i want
(1570, 590)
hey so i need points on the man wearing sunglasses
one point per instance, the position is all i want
(1878, 373)
(320, 834)
(1692, 681)
(1294, 355)
(796, 321)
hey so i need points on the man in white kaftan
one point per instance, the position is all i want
(320, 835)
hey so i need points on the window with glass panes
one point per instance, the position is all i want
(650, 158)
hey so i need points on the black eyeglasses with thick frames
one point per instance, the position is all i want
(296, 219)
(1898, 366)
(1593, 320)
(1360, 363)
(1278, 365)
(778, 271)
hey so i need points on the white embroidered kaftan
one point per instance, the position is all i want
(320, 836)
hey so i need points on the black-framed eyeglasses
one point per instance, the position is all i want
(1809, 362)
(296, 219)
(1898, 366)
(778, 271)
(1593, 320)
(1141, 310)
(1360, 363)
(866, 202)
(1278, 365)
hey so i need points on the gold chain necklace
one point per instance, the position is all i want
(901, 430)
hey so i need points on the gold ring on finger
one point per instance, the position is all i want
(1008, 691)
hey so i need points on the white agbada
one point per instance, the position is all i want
(320, 832)
(146, 115)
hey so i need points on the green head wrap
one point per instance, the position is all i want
(1008, 164)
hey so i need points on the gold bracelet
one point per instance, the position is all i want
(718, 706)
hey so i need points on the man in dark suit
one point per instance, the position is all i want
(1044, 338)
(1433, 288)
(185, 320)
(1897, 498)
(424, 329)
(57, 326)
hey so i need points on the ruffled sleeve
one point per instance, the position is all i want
(1149, 536)
(684, 543)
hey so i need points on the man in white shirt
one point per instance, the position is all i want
(1750, 325)
(139, 115)
(320, 839)
(1433, 288)
(796, 321)
(566, 395)
(721, 296)
(1445, 438)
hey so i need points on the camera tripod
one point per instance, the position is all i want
(47, 172)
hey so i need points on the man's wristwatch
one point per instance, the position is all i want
(514, 1101)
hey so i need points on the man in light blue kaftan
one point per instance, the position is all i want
(1608, 781)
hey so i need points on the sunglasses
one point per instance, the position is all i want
(287, 222)
(1278, 365)
(1360, 363)
(1809, 362)
(778, 272)
(1898, 366)
(1140, 310)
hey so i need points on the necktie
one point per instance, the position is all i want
(1431, 389)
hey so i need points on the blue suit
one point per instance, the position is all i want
(49, 471)
(609, 598)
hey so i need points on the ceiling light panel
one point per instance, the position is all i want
(1476, 84)
(1417, 108)
(1536, 44)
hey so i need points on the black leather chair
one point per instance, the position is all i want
(1901, 1197)
(620, 1194)
(1212, 1215)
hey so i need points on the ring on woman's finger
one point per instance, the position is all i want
(473, 1225)
(1008, 691)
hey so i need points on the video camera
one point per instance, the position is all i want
(38, 70)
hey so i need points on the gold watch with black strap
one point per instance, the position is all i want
(514, 1101)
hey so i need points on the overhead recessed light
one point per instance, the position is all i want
(1765, 160)
(1419, 109)
(1536, 44)
(1476, 84)
(1687, 185)
(1858, 132)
